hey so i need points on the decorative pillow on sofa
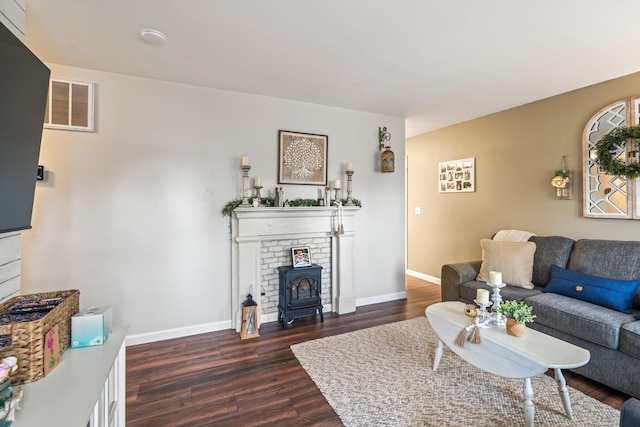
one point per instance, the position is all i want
(611, 293)
(513, 259)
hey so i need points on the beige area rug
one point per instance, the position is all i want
(382, 376)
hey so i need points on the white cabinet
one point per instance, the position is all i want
(86, 389)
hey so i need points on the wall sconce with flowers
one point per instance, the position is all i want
(563, 181)
(387, 158)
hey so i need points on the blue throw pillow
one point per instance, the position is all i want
(612, 293)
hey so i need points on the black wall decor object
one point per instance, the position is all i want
(24, 82)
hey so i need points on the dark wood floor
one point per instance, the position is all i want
(216, 379)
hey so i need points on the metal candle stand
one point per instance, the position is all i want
(258, 188)
(483, 320)
(349, 180)
(487, 319)
(245, 185)
(498, 319)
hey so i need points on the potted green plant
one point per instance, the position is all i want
(517, 313)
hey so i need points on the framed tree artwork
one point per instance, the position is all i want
(302, 158)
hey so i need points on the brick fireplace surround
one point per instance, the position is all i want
(257, 232)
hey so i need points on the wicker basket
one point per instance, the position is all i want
(27, 338)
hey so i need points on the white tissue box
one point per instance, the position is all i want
(91, 326)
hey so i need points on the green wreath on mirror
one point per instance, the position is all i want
(608, 147)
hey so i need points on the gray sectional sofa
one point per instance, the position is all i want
(630, 413)
(612, 337)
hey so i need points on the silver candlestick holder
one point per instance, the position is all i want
(245, 185)
(349, 198)
(498, 319)
(258, 198)
(484, 318)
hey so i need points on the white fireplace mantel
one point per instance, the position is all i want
(251, 226)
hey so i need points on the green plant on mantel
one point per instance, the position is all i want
(355, 202)
(230, 206)
(518, 311)
(268, 201)
(303, 202)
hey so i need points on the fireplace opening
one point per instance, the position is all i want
(300, 293)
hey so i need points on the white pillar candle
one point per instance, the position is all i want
(495, 278)
(257, 181)
(336, 183)
(244, 161)
(482, 296)
(350, 166)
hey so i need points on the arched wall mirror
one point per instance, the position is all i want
(606, 195)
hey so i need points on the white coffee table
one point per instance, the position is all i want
(501, 354)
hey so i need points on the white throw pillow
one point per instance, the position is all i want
(513, 259)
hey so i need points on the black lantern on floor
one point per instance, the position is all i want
(249, 319)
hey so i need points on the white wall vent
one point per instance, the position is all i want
(69, 105)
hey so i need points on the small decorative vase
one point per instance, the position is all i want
(562, 193)
(515, 329)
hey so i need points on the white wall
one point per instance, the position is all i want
(12, 15)
(131, 214)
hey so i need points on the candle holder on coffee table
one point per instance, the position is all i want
(483, 320)
(497, 318)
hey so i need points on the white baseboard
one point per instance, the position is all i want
(381, 298)
(273, 317)
(220, 326)
(426, 277)
(177, 333)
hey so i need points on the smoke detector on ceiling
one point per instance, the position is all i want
(153, 37)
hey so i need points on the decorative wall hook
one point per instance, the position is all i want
(387, 158)
(383, 137)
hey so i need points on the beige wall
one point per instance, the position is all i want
(516, 153)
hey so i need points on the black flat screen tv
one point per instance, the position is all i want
(24, 82)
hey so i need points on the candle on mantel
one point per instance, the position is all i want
(336, 183)
(350, 167)
(482, 296)
(244, 161)
(495, 278)
(257, 181)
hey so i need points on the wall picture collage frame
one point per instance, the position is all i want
(457, 176)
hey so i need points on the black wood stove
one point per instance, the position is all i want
(300, 293)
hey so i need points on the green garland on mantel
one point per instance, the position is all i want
(268, 201)
(609, 146)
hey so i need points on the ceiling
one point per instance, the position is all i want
(433, 63)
